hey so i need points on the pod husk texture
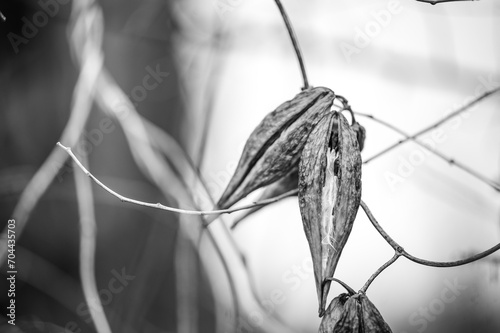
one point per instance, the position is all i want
(359, 316)
(274, 147)
(329, 195)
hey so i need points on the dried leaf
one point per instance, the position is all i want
(274, 147)
(329, 195)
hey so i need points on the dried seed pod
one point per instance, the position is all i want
(329, 195)
(359, 315)
(274, 147)
(333, 313)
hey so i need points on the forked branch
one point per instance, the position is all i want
(425, 262)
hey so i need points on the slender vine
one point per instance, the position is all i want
(295, 43)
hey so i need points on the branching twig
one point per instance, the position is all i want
(451, 161)
(380, 270)
(436, 124)
(402, 252)
(295, 43)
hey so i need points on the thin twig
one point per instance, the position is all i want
(425, 262)
(171, 209)
(451, 161)
(2, 16)
(380, 270)
(295, 43)
(87, 251)
(434, 125)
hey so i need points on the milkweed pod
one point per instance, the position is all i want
(329, 195)
(274, 147)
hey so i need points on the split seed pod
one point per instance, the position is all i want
(274, 146)
(356, 315)
(329, 195)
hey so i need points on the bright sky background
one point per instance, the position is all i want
(425, 62)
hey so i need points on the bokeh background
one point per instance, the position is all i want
(225, 65)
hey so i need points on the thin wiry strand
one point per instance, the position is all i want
(295, 43)
(442, 156)
(167, 208)
(435, 124)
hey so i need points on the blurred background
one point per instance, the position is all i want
(205, 73)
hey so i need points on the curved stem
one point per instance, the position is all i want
(295, 43)
(343, 284)
(380, 270)
(380, 230)
(453, 263)
(400, 251)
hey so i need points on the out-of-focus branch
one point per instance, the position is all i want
(86, 32)
(88, 232)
